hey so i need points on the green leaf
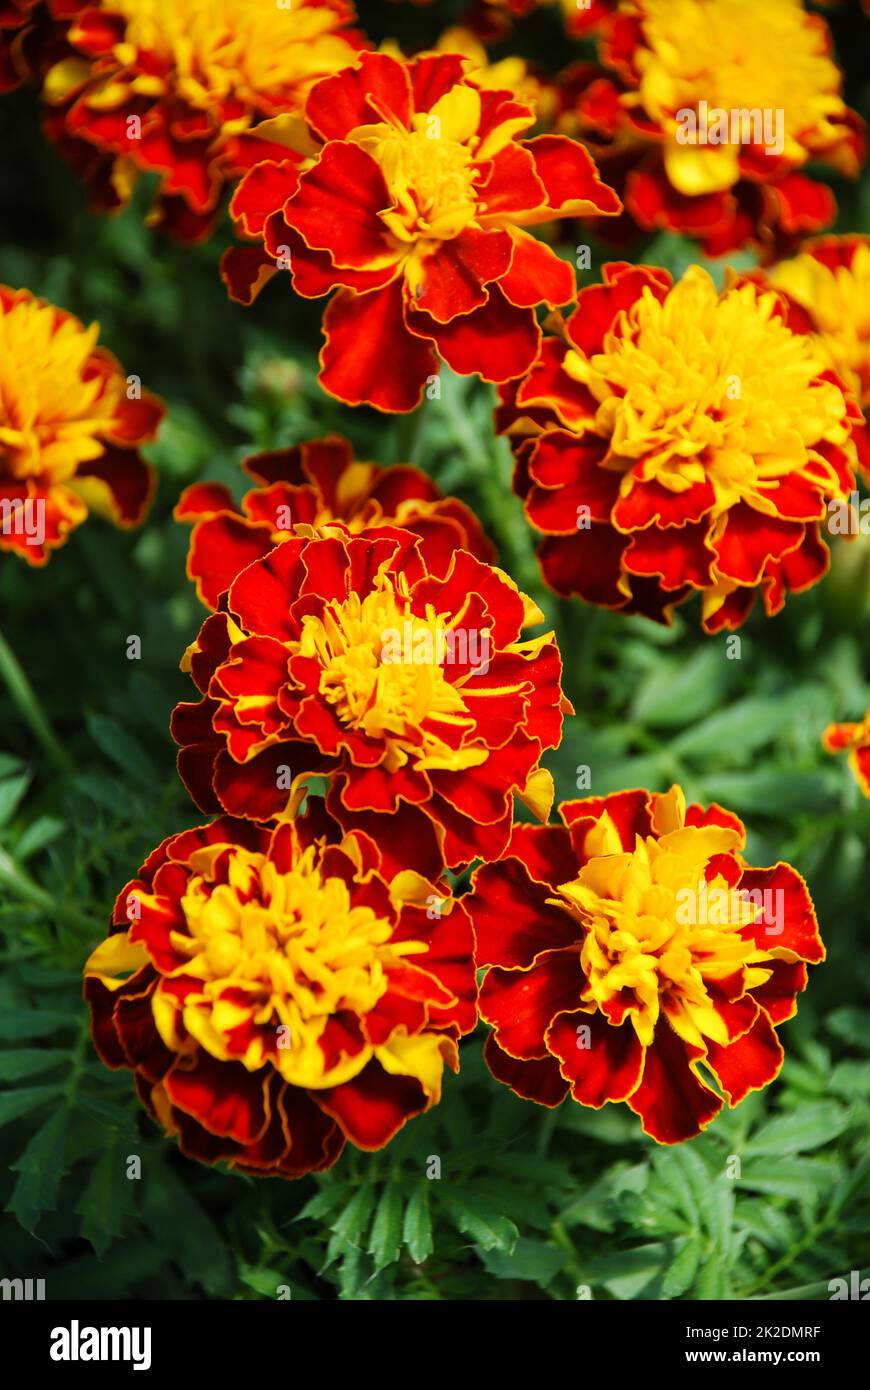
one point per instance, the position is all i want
(350, 1227)
(39, 835)
(123, 749)
(386, 1233)
(41, 1168)
(12, 791)
(777, 791)
(680, 1274)
(852, 1026)
(748, 724)
(30, 1062)
(35, 1023)
(417, 1228)
(800, 1130)
(187, 1233)
(27, 1098)
(106, 1199)
(531, 1260)
(674, 693)
(475, 1217)
(261, 1280)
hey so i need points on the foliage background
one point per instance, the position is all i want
(531, 1203)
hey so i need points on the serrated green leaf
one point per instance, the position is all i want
(35, 1023)
(417, 1226)
(40, 1170)
(475, 1217)
(680, 1274)
(106, 1198)
(352, 1223)
(533, 1261)
(386, 1233)
(674, 692)
(799, 1131)
(187, 1233)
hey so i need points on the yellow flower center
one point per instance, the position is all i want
(710, 386)
(51, 417)
(838, 302)
(430, 174)
(292, 950)
(739, 55)
(383, 671)
(249, 49)
(657, 935)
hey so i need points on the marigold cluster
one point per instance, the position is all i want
(674, 439)
(633, 955)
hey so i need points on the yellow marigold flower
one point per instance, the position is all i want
(70, 429)
(673, 439)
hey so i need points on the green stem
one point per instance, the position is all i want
(28, 706)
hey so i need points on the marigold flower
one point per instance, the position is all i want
(152, 85)
(675, 439)
(828, 289)
(409, 196)
(309, 487)
(676, 111)
(413, 694)
(69, 430)
(634, 947)
(275, 995)
(854, 739)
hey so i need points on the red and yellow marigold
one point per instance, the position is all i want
(409, 195)
(175, 89)
(275, 995)
(664, 62)
(635, 956)
(308, 487)
(70, 429)
(16, 21)
(854, 739)
(672, 439)
(413, 693)
(828, 289)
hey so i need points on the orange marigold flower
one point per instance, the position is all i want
(309, 487)
(705, 112)
(275, 995)
(675, 439)
(828, 289)
(409, 196)
(633, 950)
(69, 430)
(854, 739)
(157, 86)
(412, 693)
